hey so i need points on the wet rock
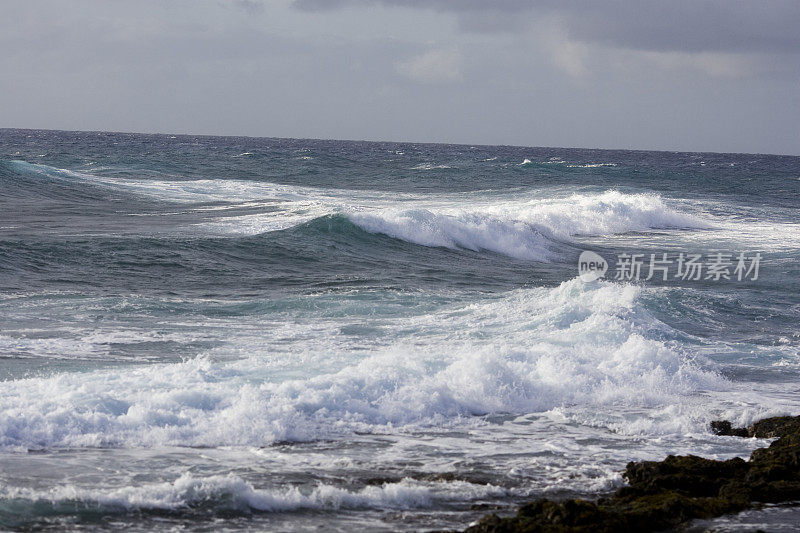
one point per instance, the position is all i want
(691, 475)
(450, 476)
(383, 480)
(665, 494)
(767, 428)
(485, 507)
(777, 426)
(724, 427)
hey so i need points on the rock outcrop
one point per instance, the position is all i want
(664, 494)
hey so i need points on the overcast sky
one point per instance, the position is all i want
(690, 75)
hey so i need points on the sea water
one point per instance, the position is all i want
(242, 333)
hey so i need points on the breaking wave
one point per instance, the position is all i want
(529, 225)
(531, 350)
(232, 493)
(527, 229)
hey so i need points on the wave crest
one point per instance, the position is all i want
(234, 493)
(529, 351)
(529, 225)
(472, 231)
(527, 229)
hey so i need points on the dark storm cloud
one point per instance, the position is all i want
(654, 25)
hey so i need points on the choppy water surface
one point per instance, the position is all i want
(238, 333)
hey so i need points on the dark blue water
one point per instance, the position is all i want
(286, 333)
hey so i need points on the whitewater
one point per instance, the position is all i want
(285, 334)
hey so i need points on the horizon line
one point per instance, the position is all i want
(403, 142)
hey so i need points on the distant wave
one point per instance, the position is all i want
(559, 161)
(593, 165)
(23, 180)
(526, 226)
(25, 168)
(526, 230)
(37, 179)
(529, 230)
(430, 166)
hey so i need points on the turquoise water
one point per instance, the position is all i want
(216, 332)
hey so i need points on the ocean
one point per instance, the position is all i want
(228, 333)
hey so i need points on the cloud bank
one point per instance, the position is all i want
(652, 25)
(702, 75)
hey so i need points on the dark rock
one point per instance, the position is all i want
(450, 476)
(485, 507)
(383, 480)
(692, 475)
(664, 494)
(724, 427)
(774, 427)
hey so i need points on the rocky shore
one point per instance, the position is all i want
(665, 494)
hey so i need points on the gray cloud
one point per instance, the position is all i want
(687, 76)
(252, 7)
(768, 26)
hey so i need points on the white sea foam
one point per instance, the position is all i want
(472, 231)
(429, 166)
(52, 348)
(525, 228)
(261, 222)
(605, 213)
(529, 351)
(192, 191)
(757, 235)
(233, 492)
